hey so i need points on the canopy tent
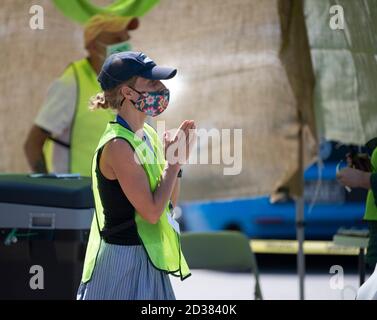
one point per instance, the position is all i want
(345, 69)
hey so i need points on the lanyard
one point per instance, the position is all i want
(124, 124)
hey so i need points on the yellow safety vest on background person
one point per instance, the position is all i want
(160, 240)
(371, 207)
(87, 126)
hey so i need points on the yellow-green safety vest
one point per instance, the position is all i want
(371, 208)
(87, 125)
(160, 240)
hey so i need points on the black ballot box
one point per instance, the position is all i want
(44, 227)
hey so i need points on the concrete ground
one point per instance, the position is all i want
(278, 280)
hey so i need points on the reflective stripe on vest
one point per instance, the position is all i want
(371, 208)
(160, 240)
(87, 126)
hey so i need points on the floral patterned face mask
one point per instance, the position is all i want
(152, 103)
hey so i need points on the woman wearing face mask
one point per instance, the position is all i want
(134, 240)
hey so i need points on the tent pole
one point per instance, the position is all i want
(300, 218)
(300, 232)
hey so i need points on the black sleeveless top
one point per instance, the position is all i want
(117, 209)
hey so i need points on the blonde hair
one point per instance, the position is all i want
(110, 98)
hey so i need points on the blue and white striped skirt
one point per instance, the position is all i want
(125, 273)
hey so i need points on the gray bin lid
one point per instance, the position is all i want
(47, 191)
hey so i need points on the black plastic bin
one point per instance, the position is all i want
(44, 221)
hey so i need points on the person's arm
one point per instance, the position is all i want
(365, 180)
(354, 178)
(134, 181)
(53, 118)
(120, 157)
(33, 149)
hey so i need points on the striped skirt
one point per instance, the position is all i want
(125, 273)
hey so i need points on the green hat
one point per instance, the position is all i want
(82, 10)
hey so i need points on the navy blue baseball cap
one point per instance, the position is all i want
(122, 66)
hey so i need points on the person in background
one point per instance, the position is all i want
(65, 132)
(355, 178)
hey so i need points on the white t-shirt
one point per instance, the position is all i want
(56, 115)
